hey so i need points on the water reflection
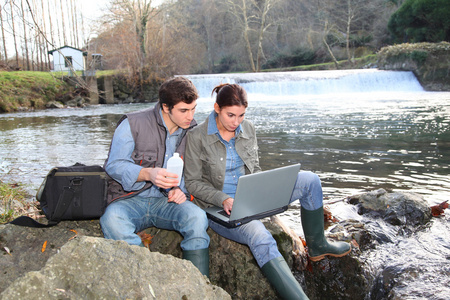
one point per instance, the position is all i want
(354, 142)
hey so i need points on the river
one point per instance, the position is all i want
(359, 130)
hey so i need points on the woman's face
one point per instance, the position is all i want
(229, 117)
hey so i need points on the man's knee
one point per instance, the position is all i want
(193, 213)
(112, 222)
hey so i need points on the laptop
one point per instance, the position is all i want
(258, 195)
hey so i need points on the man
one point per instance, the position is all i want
(141, 192)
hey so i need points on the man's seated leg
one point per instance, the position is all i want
(189, 220)
(123, 218)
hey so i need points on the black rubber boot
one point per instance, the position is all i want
(318, 246)
(280, 276)
(200, 259)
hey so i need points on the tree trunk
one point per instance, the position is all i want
(3, 37)
(63, 23)
(248, 46)
(262, 29)
(324, 39)
(77, 34)
(44, 40)
(26, 54)
(72, 27)
(57, 25)
(50, 21)
(349, 21)
(14, 34)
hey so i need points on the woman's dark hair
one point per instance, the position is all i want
(176, 90)
(230, 94)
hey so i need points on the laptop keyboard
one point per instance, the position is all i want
(223, 213)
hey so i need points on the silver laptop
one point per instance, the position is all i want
(258, 195)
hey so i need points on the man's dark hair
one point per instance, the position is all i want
(177, 89)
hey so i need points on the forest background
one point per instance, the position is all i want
(156, 39)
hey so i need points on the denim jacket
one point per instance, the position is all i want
(205, 162)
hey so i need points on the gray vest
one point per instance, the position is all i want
(149, 134)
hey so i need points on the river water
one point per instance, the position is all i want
(359, 130)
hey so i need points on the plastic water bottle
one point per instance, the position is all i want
(175, 165)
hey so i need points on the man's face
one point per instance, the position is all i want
(182, 113)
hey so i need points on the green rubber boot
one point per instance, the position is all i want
(200, 259)
(318, 246)
(280, 276)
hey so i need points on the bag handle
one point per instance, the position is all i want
(61, 207)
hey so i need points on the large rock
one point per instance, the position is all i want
(403, 209)
(96, 268)
(232, 266)
(25, 246)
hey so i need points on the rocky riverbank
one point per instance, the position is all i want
(77, 262)
(430, 62)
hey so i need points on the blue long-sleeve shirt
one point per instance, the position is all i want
(234, 163)
(123, 169)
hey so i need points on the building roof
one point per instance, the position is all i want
(51, 51)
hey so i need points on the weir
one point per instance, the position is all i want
(312, 82)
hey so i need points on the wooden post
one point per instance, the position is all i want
(93, 89)
(109, 91)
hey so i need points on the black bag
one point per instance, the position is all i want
(77, 192)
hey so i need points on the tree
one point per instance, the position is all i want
(421, 21)
(14, 33)
(25, 37)
(3, 36)
(252, 15)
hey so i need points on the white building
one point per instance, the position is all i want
(67, 59)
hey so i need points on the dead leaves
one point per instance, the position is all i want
(44, 246)
(438, 210)
(76, 234)
(327, 216)
(7, 250)
(145, 238)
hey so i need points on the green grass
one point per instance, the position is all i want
(28, 90)
(358, 63)
(14, 201)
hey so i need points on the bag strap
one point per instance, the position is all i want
(63, 203)
(30, 222)
(61, 207)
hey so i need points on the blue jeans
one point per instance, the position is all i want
(253, 234)
(124, 218)
(308, 189)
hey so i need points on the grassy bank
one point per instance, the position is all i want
(357, 63)
(22, 90)
(14, 202)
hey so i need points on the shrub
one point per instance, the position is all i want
(298, 57)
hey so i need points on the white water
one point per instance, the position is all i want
(312, 82)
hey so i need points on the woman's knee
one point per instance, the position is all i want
(259, 235)
(308, 178)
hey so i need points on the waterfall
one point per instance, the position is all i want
(312, 82)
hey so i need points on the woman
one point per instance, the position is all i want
(223, 148)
